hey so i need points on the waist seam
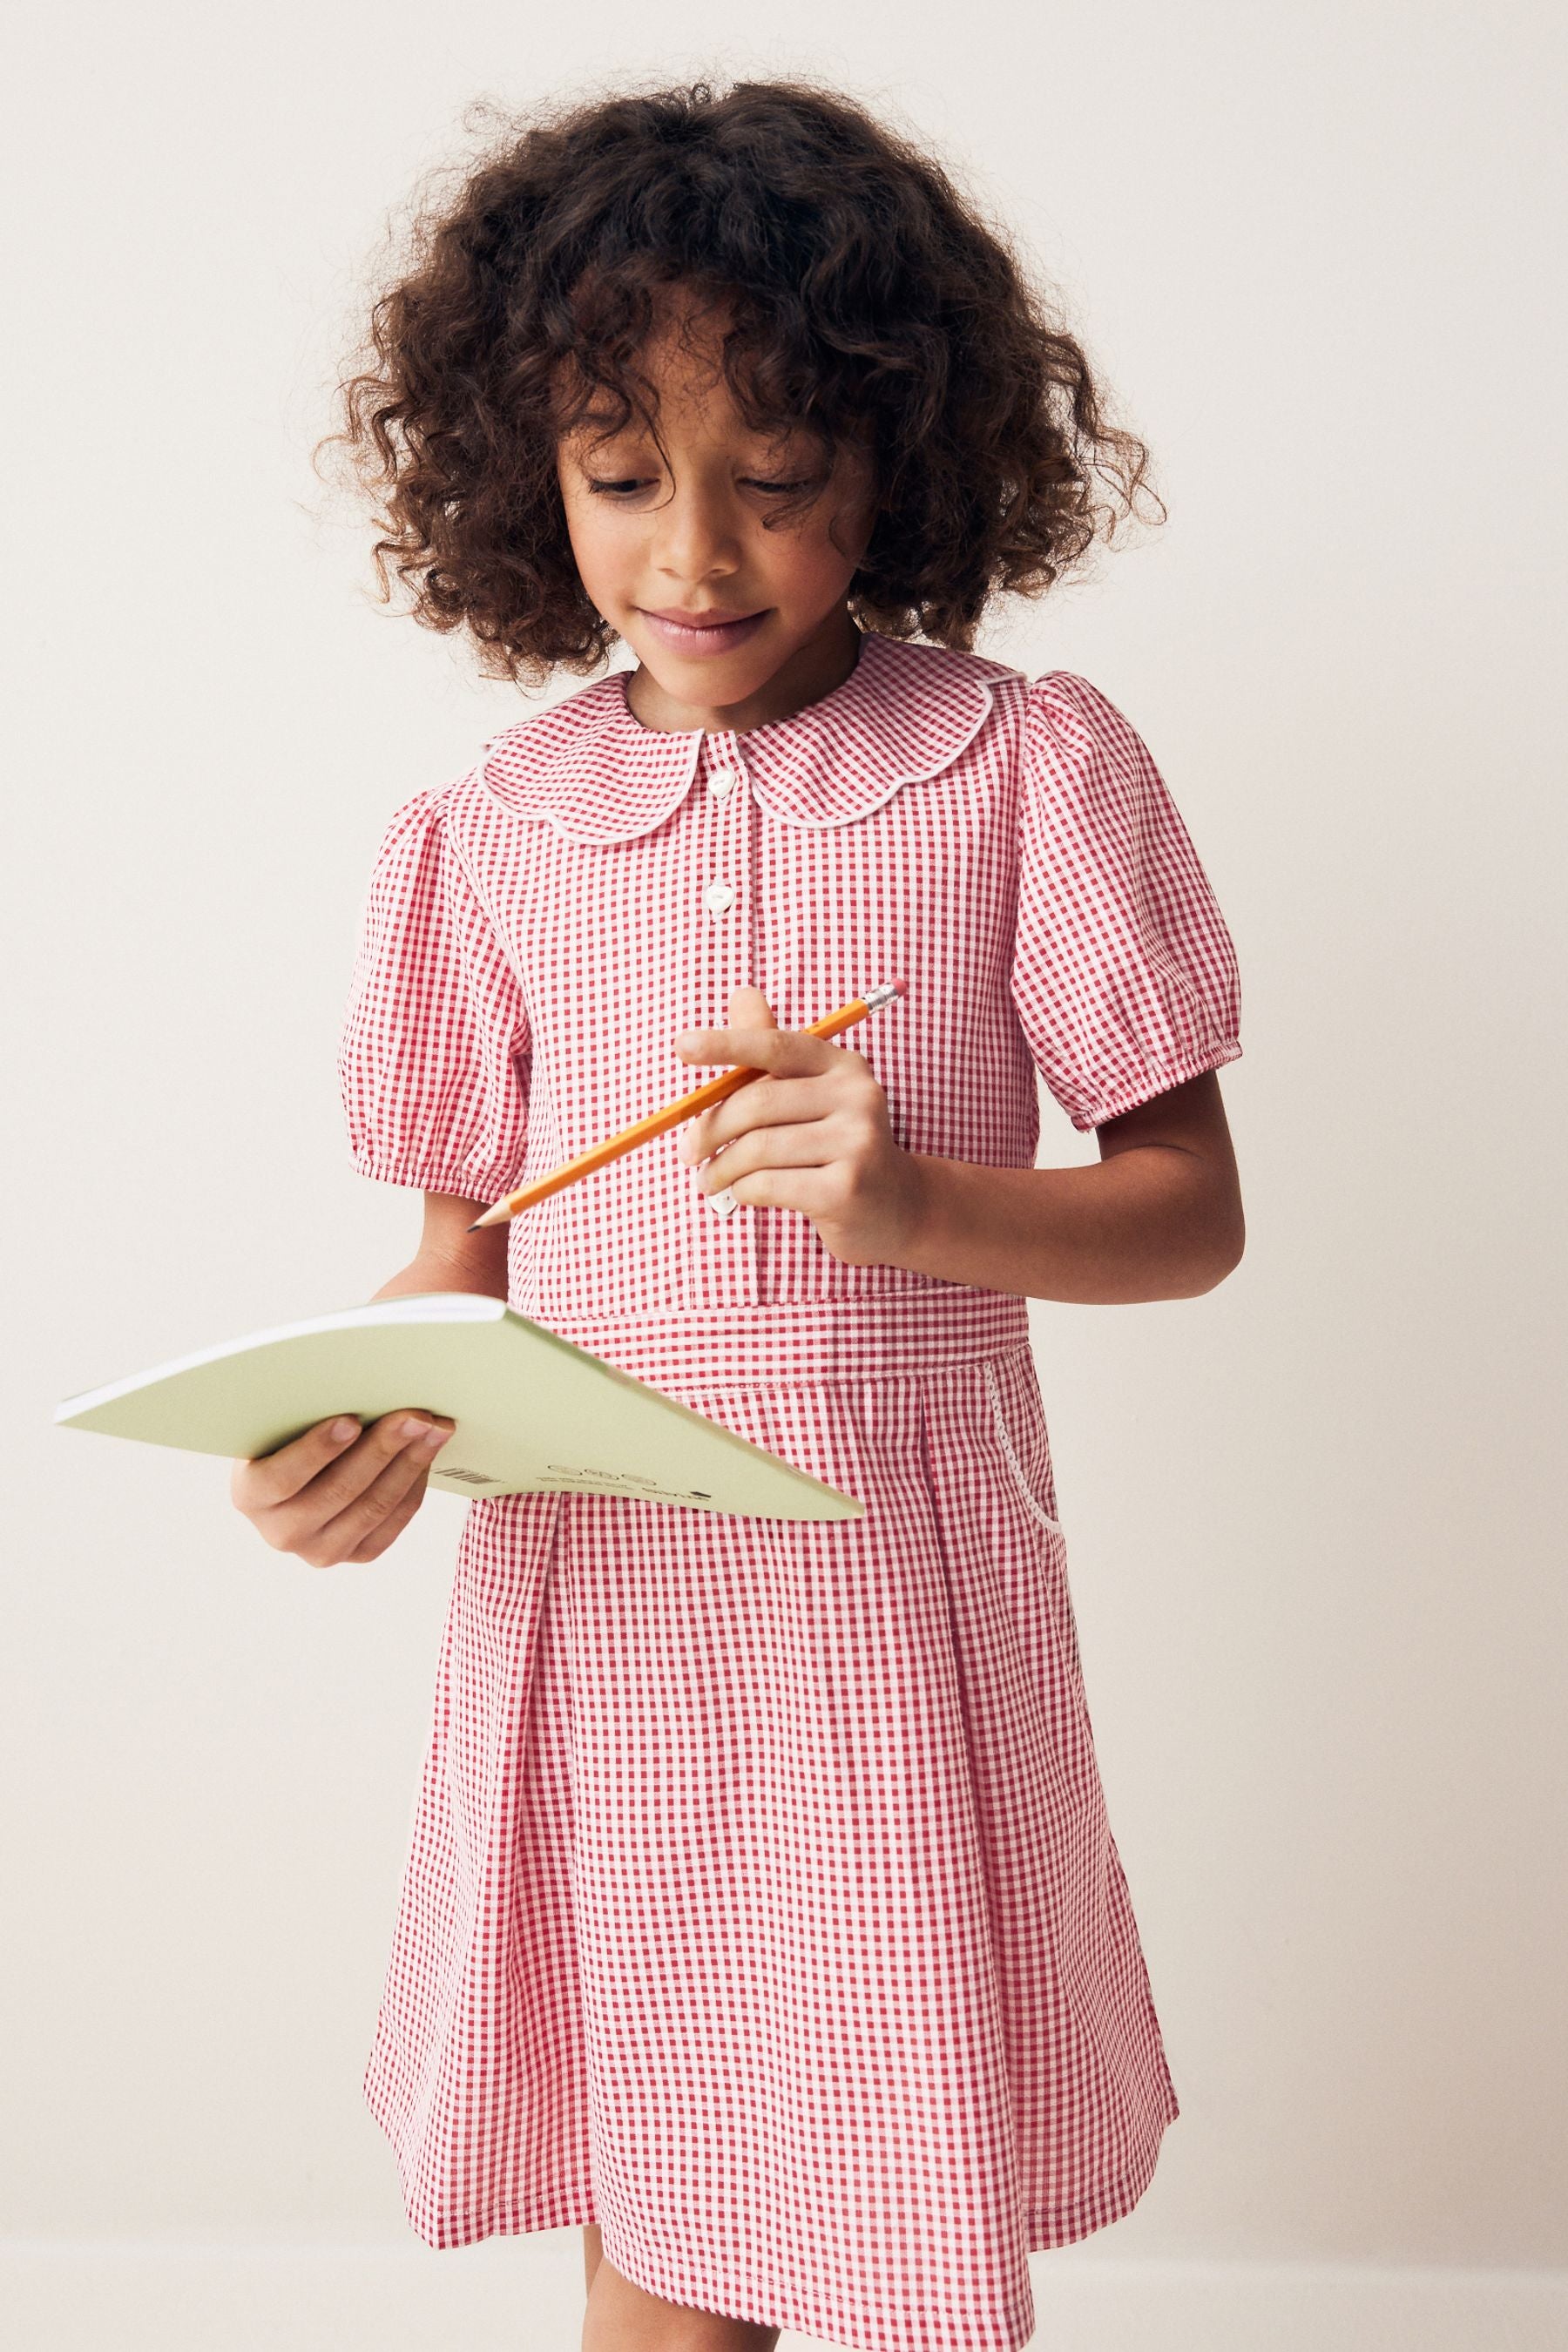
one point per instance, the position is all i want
(802, 1345)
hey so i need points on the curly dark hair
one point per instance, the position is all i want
(868, 302)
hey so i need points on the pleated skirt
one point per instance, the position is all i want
(760, 1904)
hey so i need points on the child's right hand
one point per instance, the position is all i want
(328, 1501)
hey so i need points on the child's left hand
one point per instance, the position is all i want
(814, 1135)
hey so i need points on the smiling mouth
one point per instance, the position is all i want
(701, 620)
(711, 634)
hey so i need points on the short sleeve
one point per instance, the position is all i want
(1124, 975)
(432, 1061)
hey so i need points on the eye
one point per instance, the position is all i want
(602, 487)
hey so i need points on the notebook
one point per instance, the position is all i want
(533, 1412)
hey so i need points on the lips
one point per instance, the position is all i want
(710, 620)
(704, 633)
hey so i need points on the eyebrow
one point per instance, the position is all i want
(602, 420)
(605, 419)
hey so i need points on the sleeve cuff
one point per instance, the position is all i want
(1151, 1082)
(429, 1176)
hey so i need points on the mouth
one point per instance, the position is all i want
(704, 633)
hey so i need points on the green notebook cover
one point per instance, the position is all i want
(533, 1412)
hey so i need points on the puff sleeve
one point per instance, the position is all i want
(1124, 976)
(433, 1058)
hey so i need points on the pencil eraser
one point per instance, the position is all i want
(901, 987)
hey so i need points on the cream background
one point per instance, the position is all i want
(1314, 1515)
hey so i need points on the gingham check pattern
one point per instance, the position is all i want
(760, 1902)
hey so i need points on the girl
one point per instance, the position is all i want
(760, 1911)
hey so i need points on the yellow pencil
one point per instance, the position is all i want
(643, 1130)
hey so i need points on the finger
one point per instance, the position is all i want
(343, 1480)
(747, 1047)
(769, 1102)
(382, 1535)
(766, 1102)
(814, 1145)
(811, 1191)
(748, 1005)
(366, 1526)
(274, 1477)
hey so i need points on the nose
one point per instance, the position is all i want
(697, 537)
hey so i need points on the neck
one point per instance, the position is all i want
(824, 661)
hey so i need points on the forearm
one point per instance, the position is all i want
(451, 1259)
(1145, 1224)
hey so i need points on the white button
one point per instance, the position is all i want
(722, 782)
(722, 1203)
(717, 896)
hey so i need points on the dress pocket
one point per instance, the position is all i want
(1036, 1444)
(1020, 1420)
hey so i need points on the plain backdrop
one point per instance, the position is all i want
(1315, 1516)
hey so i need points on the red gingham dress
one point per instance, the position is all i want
(760, 1903)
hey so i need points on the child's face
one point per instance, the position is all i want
(681, 534)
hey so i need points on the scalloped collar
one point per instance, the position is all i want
(590, 768)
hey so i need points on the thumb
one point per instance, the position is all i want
(749, 1008)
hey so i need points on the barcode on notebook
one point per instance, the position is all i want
(474, 1477)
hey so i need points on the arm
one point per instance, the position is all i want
(327, 1500)
(451, 1259)
(1160, 1217)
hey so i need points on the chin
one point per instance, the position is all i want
(711, 677)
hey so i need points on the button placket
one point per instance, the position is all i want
(728, 1254)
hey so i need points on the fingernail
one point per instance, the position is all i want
(342, 1431)
(433, 1440)
(412, 1428)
